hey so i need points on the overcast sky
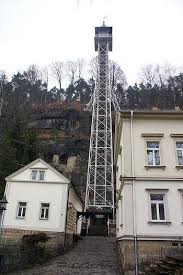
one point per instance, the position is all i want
(41, 31)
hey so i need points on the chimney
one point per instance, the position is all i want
(55, 160)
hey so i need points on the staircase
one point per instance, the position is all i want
(171, 265)
(97, 230)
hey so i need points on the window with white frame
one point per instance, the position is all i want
(153, 153)
(21, 211)
(44, 213)
(157, 202)
(38, 175)
(179, 149)
(41, 175)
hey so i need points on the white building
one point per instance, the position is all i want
(149, 179)
(41, 199)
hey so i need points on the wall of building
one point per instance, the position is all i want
(147, 253)
(167, 146)
(173, 209)
(168, 173)
(34, 194)
(168, 157)
(50, 176)
(134, 188)
(14, 236)
(76, 202)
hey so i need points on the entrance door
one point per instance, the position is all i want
(100, 219)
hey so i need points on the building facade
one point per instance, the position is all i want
(40, 199)
(149, 184)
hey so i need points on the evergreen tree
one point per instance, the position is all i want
(18, 147)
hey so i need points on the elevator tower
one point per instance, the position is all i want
(100, 186)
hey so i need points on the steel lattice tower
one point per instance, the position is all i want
(100, 187)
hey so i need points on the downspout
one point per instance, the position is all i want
(67, 207)
(133, 196)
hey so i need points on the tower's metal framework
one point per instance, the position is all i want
(100, 186)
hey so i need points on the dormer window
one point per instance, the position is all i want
(34, 174)
(38, 175)
(41, 175)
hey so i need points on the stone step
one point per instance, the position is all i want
(175, 258)
(172, 263)
(97, 230)
(165, 267)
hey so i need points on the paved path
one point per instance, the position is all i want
(91, 256)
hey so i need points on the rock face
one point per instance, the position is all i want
(64, 140)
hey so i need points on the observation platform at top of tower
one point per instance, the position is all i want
(103, 35)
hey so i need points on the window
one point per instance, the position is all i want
(21, 210)
(157, 207)
(179, 149)
(153, 153)
(44, 211)
(41, 175)
(34, 174)
(38, 174)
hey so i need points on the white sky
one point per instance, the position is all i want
(42, 31)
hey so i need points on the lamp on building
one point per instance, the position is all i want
(3, 203)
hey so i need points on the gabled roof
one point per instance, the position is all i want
(63, 179)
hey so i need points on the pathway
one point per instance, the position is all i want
(91, 256)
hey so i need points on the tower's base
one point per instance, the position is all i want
(97, 224)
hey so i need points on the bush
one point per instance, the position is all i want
(76, 237)
(34, 239)
(31, 250)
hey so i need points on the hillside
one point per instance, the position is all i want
(64, 134)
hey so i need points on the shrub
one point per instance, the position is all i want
(34, 239)
(76, 237)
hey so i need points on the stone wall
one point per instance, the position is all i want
(14, 256)
(14, 237)
(112, 229)
(147, 252)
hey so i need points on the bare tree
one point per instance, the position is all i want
(164, 72)
(45, 79)
(147, 74)
(71, 69)
(58, 72)
(33, 73)
(117, 75)
(93, 66)
(45, 76)
(157, 74)
(2, 82)
(81, 64)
